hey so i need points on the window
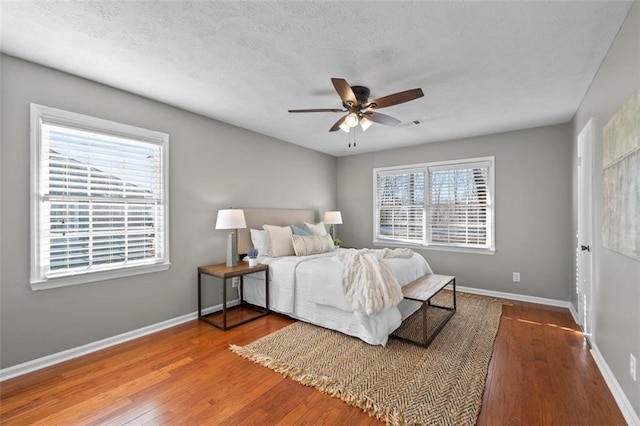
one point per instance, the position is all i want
(400, 209)
(447, 205)
(99, 204)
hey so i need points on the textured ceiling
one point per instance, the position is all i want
(485, 67)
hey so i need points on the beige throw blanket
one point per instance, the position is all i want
(369, 285)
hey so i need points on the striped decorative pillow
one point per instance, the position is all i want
(314, 244)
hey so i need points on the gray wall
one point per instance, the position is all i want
(617, 278)
(212, 165)
(533, 209)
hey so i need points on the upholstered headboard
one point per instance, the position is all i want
(255, 218)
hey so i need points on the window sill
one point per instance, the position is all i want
(97, 276)
(469, 250)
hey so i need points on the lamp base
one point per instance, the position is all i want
(232, 249)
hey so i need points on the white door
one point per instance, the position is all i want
(584, 250)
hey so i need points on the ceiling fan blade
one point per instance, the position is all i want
(337, 125)
(318, 110)
(345, 91)
(382, 119)
(396, 98)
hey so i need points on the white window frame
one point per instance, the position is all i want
(40, 278)
(489, 249)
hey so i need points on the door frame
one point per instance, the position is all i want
(585, 229)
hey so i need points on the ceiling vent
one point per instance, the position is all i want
(411, 123)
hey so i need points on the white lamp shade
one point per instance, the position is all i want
(231, 219)
(333, 218)
(352, 120)
(365, 123)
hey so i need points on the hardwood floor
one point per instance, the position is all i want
(541, 373)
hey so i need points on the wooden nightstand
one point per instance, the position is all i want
(224, 272)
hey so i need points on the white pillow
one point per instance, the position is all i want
(259, 240)
(317, 229)
(279, 240)
(314, 244)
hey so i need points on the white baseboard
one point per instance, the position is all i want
(574, 314)
(514, 296)
(630, 416)
(523, 298)
(49, 360)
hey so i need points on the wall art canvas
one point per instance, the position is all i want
(621, 180)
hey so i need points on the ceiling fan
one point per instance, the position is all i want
(355, 100)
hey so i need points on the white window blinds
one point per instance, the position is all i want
(101, 200)
(444, 204)
(458, 205)
(400, 205)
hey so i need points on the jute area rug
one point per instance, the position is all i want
(400, 384)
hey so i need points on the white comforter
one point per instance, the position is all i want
(317, 280)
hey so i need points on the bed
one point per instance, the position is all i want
(309, 288)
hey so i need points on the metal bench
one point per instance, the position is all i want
(422, 290)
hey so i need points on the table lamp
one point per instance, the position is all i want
(231, 219)
(333, 218)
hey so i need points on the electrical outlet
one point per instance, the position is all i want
(235, 282)
(516, 277)
(632, 367)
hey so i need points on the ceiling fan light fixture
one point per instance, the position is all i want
(365, 123)
(355, 101)
(352, 119)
